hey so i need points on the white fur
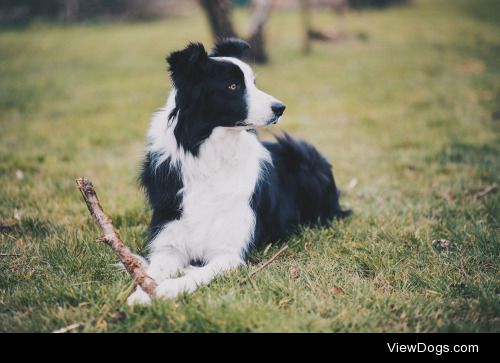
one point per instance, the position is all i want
(217, 221)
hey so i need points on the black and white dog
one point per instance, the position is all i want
(217, 191)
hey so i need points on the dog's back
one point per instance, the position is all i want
(297, 189)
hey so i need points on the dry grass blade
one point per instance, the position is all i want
(68, 328)
(268, 262)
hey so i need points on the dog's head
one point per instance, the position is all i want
(218, 89)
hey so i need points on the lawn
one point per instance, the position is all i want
(407, 109)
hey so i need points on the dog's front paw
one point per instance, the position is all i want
(138, 297)
(169, 289)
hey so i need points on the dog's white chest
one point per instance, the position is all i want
(218, 187)
(226, 169)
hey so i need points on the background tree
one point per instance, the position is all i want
(76, 10)
(262, 9)
(219, 15)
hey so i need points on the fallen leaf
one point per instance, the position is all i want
(337, 290)
(118, 315)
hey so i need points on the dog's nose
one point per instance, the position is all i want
(278, 108)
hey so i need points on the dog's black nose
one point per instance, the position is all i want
(278, 108)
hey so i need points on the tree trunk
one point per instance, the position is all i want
(306, 24)
(69, 11)
(257, 52)
(219, 16)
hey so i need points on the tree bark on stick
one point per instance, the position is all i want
(111, 237)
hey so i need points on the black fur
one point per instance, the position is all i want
(162, 185)
(230, 47)
(297, 189)
(203, 99)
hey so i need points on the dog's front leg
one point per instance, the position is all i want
(165, 263)
(166, 260)
(201, 276)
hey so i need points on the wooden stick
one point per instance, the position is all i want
(9, 255)
(268, 262)
(112, 238)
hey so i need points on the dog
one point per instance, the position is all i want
(216, 191)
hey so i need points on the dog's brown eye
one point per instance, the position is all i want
(232, 87)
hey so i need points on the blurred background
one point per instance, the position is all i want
(218, 12)
(347, 69)
(78, 10)
(402, 97)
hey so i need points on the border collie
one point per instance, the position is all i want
(216, 191)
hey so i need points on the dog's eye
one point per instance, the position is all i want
(232, 87)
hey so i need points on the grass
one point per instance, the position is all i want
(407, 110)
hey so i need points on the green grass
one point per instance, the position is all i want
(408, 107)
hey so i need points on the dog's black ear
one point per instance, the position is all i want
(189, 64)
(229, 47)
